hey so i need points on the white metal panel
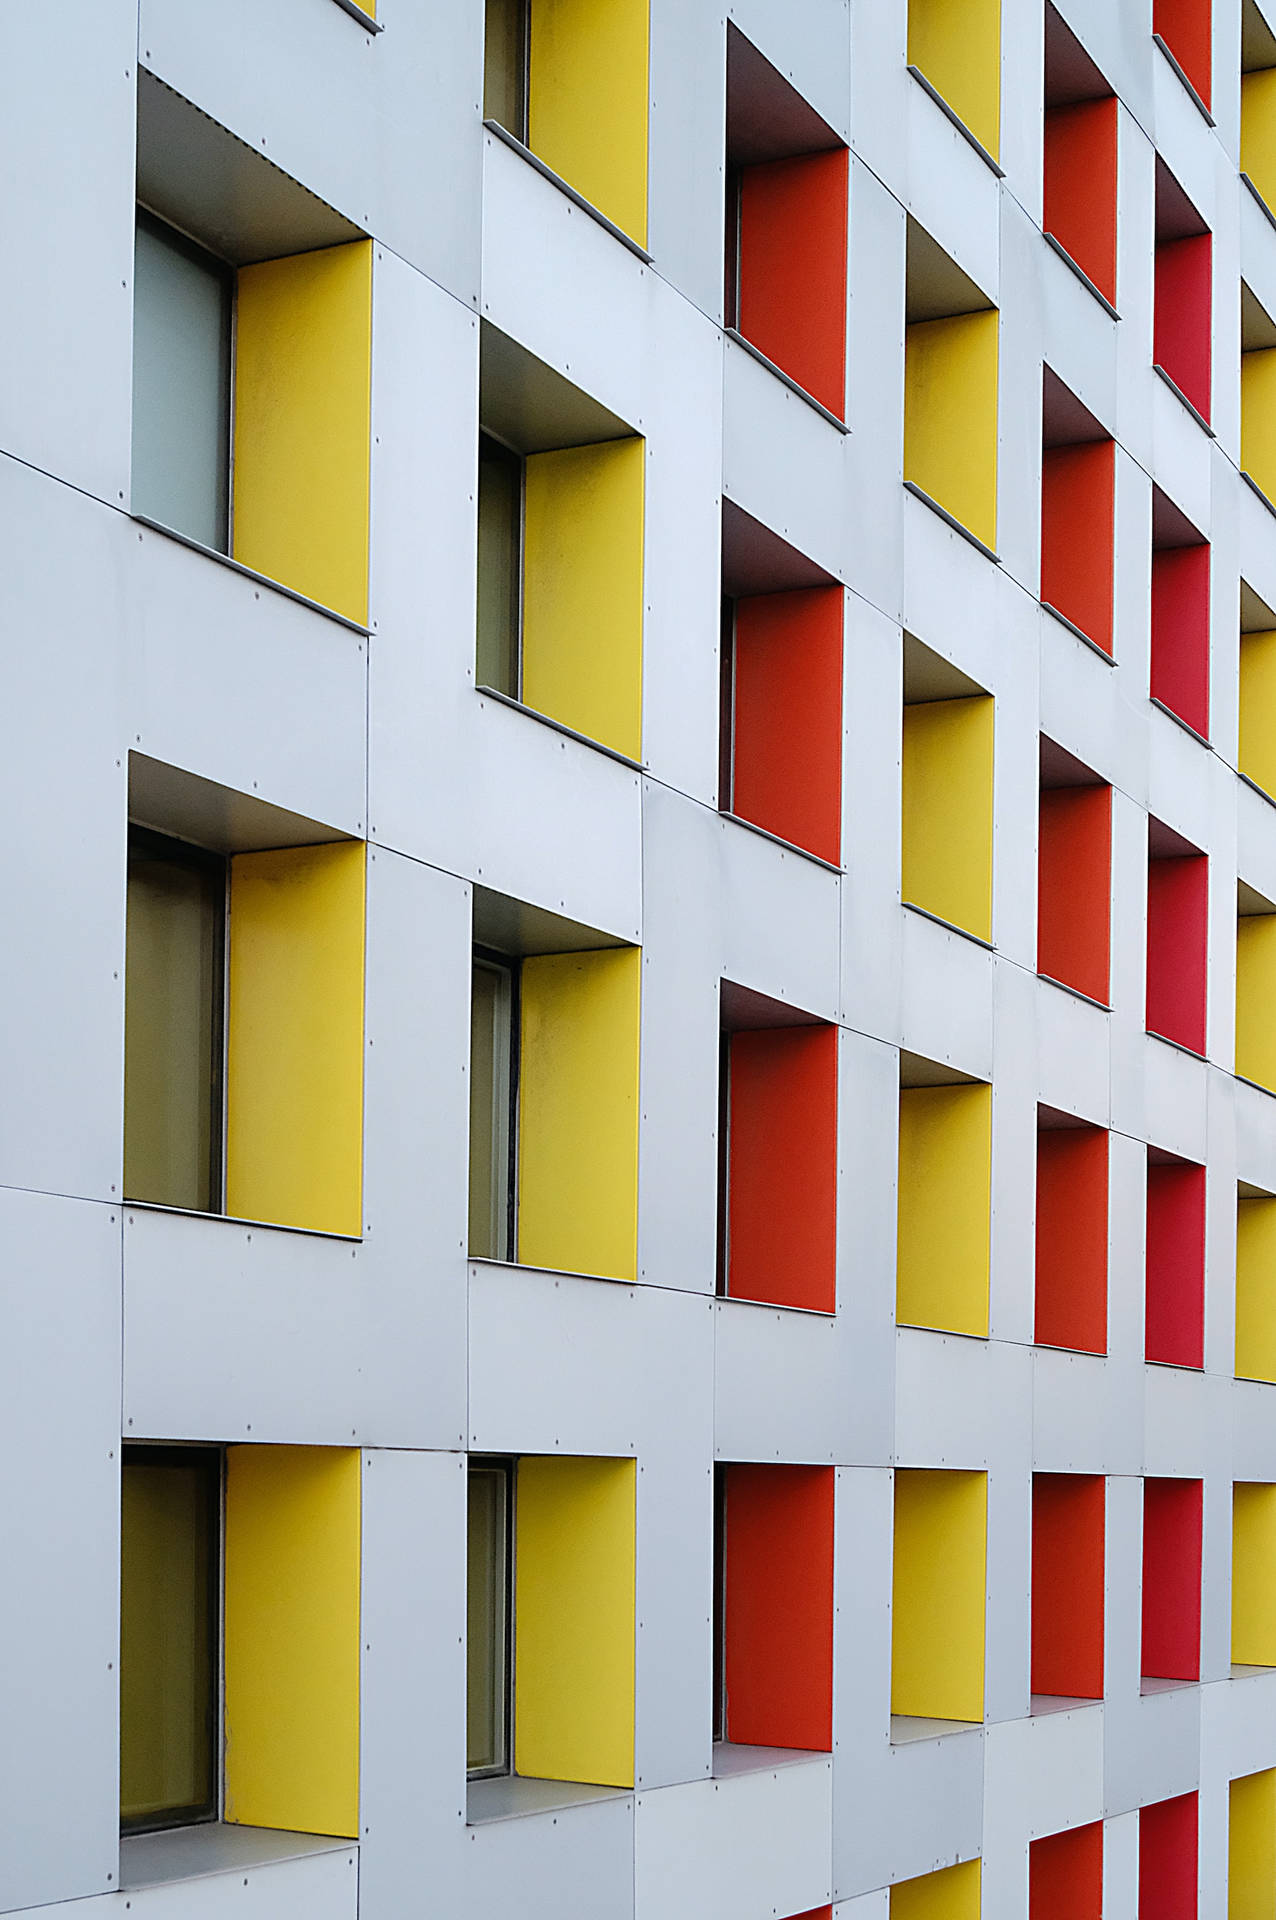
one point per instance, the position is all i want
(687, 131)
(1087, 1413)
(780, 921)
(927, 1808)
(872, 929)
(782, 462)
(1072, 1053)
(576, 1864)
(776, 1378)
(1042, 1775)
(947, 991)
(324, 1886)
(960, 1402)
(1152, 1747)
(743, 1848)
(952, 192)
(1177, 1413)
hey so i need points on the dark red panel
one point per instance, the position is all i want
(792, 288)
(1072, 1239)
(782, 1180)
(1065, 1875)
(779, 1606)
(1180, 676)
(1174, 1328)
(1171, 1580)
(1178, 942)
(787, 766)
(1168, 1845)
(1081, 187)
(1185, 27)
(1181, 329)
(1076, 535)
(1074, 887)
(1067, 1584)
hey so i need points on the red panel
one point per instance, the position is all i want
(782, 1189)
(1184, 25)
(1074, 887)
(1076, 535)
(779, 1606)
(1081, 187)
(1065, 1875)
(1181, 633)
(1171, 1581)
(1067, 1584)
(1072, 1239)
(788, 716)
(1174, 1329)
(1168, 1859)
(1178, 941)
(1181, 331)
(793, 269)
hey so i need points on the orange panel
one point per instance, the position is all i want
(792, 293)
(787, 769)
(1074, 887)
(1065, 1875)
(778, 1638)
(1081, 187)
(1072, 1238)
(1067, 1584)
(782, 1184)
(1077, 494)
(1185, 27)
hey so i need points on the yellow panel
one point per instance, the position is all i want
(1258, 131)
(303, 385)
(937, 1609)
(1257, 758)
(950, 417)
(957, 45)
(292, 1638)
(574, 1620)
(294, 1105)
(951, 1894)
(1258, 414)
(587, 102)
(582, 590)
(1256, 1287)
(1254, 1574)
(1256, 998)
(947, 826)
(578, 1112)
(1251, 1867)
(945, 1172)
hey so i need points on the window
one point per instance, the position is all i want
(1257, 743)
(1071, 1280)
(1080, 150)
(1065, 1874)
(1258, 102)
(1174, 1294)
(1074, 874)
(505, 49)
(938, 1594)
(952, 1893)
(1182, 307)
(1169, 1846)
(489, 1616)
(946, 848)
(1067, 1585)
(1078, 496)
(957, 52)
(1177, 938)
(493, 1106)
(500, 567)
(1255, 1295)
(1258, 400)
(950, 390)
(943, 1216)
(1255, 981)
(1171, 1643)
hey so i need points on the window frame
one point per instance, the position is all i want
(499, 450)
(509, 968)
(503, 1468)
(721, 1468)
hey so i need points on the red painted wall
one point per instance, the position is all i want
(1174, 1324)
(779, 1606)
(792, 286)
(787, 710)
(1081, 187)
(1077, 494)
(1171, 1581)
(1067, 1584)
(1184, 25)
(1180, 676)
(1181, 325)
(1065, 1875)
(1178, 942)
(1074, 887)
(782, 1178)
(1168, 1841)
(1072, 1238)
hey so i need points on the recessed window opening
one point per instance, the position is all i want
(489, 1618)
(505, 64)
(494, 1032)
(501, 496)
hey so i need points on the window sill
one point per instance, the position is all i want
(510, 140)
(786, 379)
(731, 1759)
(1243, 1080)
(1078, 633)
(236, 1220)
(1041, 1704)
(191, 1853)
(1254, 487)
(1104, 1006)
(1179, 721)
(1255, 787)
(951, 520)
(1263, 207)
(1057, 246)
(1193, 95)
(248, 573)
(365, 20)
(949, 926)
(1151, 1683)
(509, 1796)
(909, 1727)
(549, 1273)
(724, 1300)
(1179, 1046)
(777, 840)
(1183, 400)
(957, 122)
(1241, 1672)
(559, 726)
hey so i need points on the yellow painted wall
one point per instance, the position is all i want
(1256, 998)
(292, 1638)
(1258, 413)
(937, 1609)
(945, 1173)
(1256, 1287)
(587, 102)
(957, 45)
(1251, 1867)
(303, 387)
(947, 796)
(1258, 131)
(294, 1051)
(582, 590)
(1257, 757)
(950, 417)
(1254, 1574)
(578, 1112)
(951, 1894)
(574, 1620)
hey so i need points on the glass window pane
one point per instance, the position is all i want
(486, 1614)
(500, 540)
(505, 65)
(181, 385)
(173, 1026)
(170, 1513)
(491, 1020)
